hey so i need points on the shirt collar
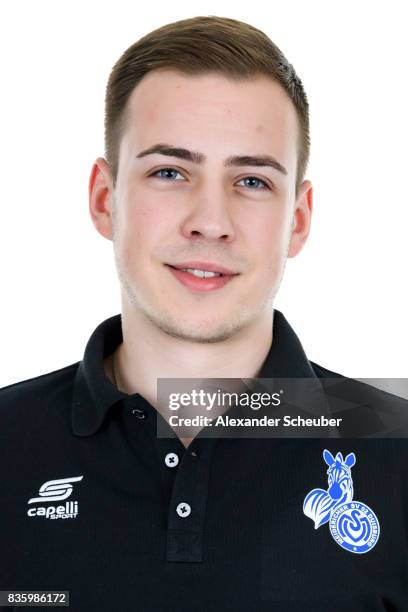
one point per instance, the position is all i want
(94, 394)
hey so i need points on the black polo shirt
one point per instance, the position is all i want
(94, 503)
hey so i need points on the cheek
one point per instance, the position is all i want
(269, 241)
(142, 227)
(269, 248)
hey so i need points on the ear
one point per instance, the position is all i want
(328, 457)
(350, 459)
(302, 217)
(101, 194)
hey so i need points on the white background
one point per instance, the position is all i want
(345, 294)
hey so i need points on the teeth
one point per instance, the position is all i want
(201, 273)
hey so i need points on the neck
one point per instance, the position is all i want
(148, 353)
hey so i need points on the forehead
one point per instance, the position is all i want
(212, 109)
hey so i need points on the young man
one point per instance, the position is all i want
(203, 195)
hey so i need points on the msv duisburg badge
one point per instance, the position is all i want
(352, 524)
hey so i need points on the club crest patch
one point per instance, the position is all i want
(353, 524)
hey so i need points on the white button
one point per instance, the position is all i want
(171, 460)
(183, 509)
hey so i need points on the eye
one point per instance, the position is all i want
(164, 173)
(255, 182)
(170, 173)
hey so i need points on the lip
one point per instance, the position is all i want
(196, 284)
(204, 265)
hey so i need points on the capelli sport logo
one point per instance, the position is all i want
(55, 490)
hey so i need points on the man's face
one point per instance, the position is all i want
(172, 210)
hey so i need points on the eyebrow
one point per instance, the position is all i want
(198, 158)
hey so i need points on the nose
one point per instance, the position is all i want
(335, 491)
(209, 216)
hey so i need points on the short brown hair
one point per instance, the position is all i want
(195, 46)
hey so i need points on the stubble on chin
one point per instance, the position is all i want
(206, 331)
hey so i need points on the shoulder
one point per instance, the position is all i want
(322, 372)
(365, 387)
(25, 396)
(372, 410)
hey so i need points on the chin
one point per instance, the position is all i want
(200, 331)
(201, 337)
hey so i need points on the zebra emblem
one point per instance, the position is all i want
(353, 525)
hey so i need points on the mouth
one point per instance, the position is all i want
(202, 279)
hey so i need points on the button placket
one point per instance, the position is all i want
(186, 515)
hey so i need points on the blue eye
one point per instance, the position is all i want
(166, 173)
(168, 170)
(257, 180)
